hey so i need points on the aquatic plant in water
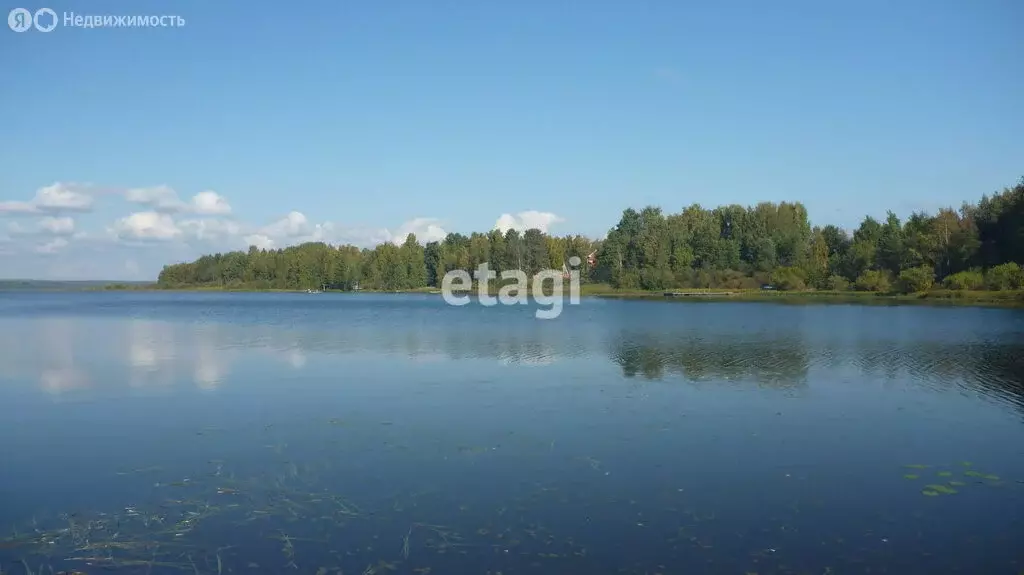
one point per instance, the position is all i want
(935, 489)
(291, 517)
(980, 475)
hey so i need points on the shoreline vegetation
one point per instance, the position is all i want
(966, 255)
(971, 255)
(986, 298)
(1004, 298)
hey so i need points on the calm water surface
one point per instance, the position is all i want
(268, 433)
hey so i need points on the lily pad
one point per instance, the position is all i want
(957, 483)
(910, 476)
(944, 474)
(916, 466)
(929, 493)
(943, 489)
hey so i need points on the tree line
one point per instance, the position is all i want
(978, 246)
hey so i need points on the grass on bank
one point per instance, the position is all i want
(1007, 298)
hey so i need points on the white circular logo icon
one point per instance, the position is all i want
(20, 19)
(45, 24)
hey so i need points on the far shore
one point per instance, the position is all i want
(1008, 299)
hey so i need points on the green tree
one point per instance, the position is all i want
(732, 246)
(413, 257)
(535, 248)
(434, 263)
(889, 254)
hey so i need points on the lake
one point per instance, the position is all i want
(152, 432)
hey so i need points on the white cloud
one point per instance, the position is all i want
(293, 228)
(161, 221)
(18, 207)
(107, 235)
(164, 199)
(426, 230)
(210, 229)
(170, 229)
(63, 226)
(293, 225)
(53, 226)
(147, 226)
(363, 237)
(324, 232)
(527, 220)
(261, 241)
(52, 246)
(161, 198)
(57, 197)
(210, 203)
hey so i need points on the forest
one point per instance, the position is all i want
(979, 246)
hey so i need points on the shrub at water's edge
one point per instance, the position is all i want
(918, 279)
(966, 280)
(873, 281)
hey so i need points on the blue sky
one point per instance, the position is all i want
(360, 121)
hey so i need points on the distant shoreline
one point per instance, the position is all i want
(1002, 299)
